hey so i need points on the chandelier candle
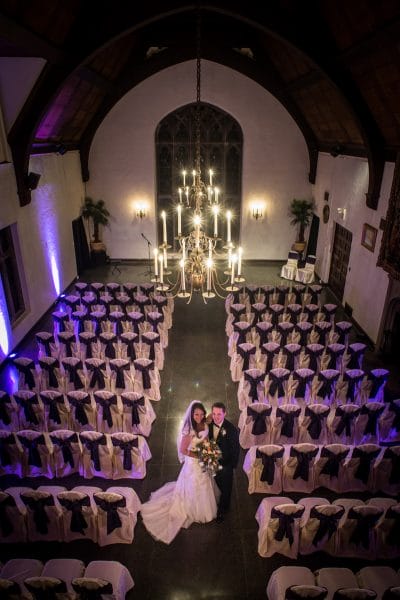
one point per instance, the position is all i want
(164, 220)
(183, 282)
(211, 175)
(155, 261)
(215, 210)
(180, 195)
(209, 265)
(234, 259)
(239, 269)
(183, 249)
(209, 249)
(161, 259)
(216, 192)
(228, 226)
(165, 258)
(179, 209)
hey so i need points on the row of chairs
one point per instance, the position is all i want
(106, 346)
(328, 386)
(64, 578)
(115, 375)
(261, 423)
(348, 527)
(113, 288)
(54, 513)
(341, 468)
(295, 269)
(102, 411)
(280, 294)
(334, 583)
(61, 453)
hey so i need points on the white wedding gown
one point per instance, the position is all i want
(192, 498)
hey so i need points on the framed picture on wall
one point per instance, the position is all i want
(368, 238)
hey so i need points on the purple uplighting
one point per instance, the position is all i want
(4, 323)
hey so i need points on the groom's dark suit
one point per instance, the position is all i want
(227, 438)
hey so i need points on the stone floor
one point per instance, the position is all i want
(205, 561)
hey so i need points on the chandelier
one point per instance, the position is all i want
(201, 256)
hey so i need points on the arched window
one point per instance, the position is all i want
(221, 141)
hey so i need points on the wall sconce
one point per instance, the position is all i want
(257, 210)
(342, 213)
(141, 210)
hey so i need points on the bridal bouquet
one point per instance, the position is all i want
(209, 455)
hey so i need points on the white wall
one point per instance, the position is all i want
(275, 158)
(44, 231)
(346, 180)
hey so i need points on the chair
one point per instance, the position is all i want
(96, 455)
(330, 467)
(31, 410)
(147, 378)
(56, 411)
(312, 426)
(302, 332)
(280, 294)
(243, 359)
(276, 385)
(358, 476)
(79, 520)
(333, 357)
(263, 467)
(334, 578)
(130, 454)
(275, 312)
(130, 346)
(294, 311)
(286, 424)
(37, 451)
(367, 424)
(8, 412)
(302, 383)
(342, 423)
(262, 333)
(326, 391)
(298, 468)
(377, 379)
(75, 378)
(291, 353)
(306, 274)
(83, 411)
(67, 452)
(43, 516)
(117, 515)
(314, 353)
(288, 270)
(98, 376)
(46, 344)
(117, 579)
(386, 471)
(51, 376)
(241, 334)
(236, 312)
(152, 348)
(320, 528)
(389, 424)
(12, 520)
(258, 310)
(137, 413)
(354, 355)
(269, 356)
(28, 377)
(88, 345)
(322, 330)
(251, 388)
(284, 578)
(64, 569)
(109, 411)
(342, 331)
(279, 526)
(357, 535)
(388, 533)
(108, 345)
(255, 425)
(67, 344)
(10, 454)
(19, 569)
(378, 579)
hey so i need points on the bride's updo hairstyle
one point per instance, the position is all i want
(196, 406)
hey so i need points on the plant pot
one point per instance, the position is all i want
(299, 247)
(97, 246)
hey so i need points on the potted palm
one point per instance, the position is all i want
(301, 212)
(97, 212)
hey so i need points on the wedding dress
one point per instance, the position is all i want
(192, 498)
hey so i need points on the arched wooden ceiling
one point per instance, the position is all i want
(334, 65)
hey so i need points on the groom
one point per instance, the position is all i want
(227, 437)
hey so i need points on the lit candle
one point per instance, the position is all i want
(155, 261)
(183, 281)
(215, 210)
(234, 259)
(209, 249)
(187, 195)
(179, 209)
(184, 178)
(209, 194)
(209, 266)
(164, 220)
(165, 258)
(239, 269)
(183, 249)
(160, 258)
(216, 193)
(194, 176)
(228, 226)
(211, 175)
(180, 194)
(229, 257)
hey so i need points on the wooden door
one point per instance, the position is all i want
(340, 260)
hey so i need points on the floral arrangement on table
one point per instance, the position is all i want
(209, 455)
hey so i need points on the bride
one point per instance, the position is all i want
(192, 498)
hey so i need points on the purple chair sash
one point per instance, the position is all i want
(304, 459)
(281, 290)
(294, 310)
(334, 351)
(285, 329)
(259, 419)
(136, 318)
(314, 351)
(275, 311)
(78, 522)
(332, 465)
(353, 380)
(5, 458)
(155, 318)
(97, 375)
(145, 371)
(328, 383)
(73, 371)
(303, 329)
(346, 421)
(263, 329)
(141, 301)
(323, 328)
(79, 405)
(268, 461)
(93, 447)
(259, 309)
(303, 381)
(117, 317)
(291, 351)
(133, 405)
(343, 329)
(109, 344)
(245, 354)
(361, 533)
(377, 382)
(67, 339)
(80, 316)
(298, 291)
(27, 405)
(87, 341)
(242, 328)
(34, 458)
(286, 522)
(270, 349)
(50, 368)
(4, 409)
(371, 426)
(130, 346)
(98, 316)
(126, 447)
(151, 342)
(106, 404)
(65, 445)
(52, 404)
(268, 291)
(38, 507)
(311, 310)
(45, 339)
(26, 370)
(60, 318)
(277, 383)
(356, 355)
(314, 427)
(288, 420)
(119, 370)
(111, 509)
(251, 291)
(315, 293)
(253, 381)
(328, 524)
(6, 524)
(364, 467)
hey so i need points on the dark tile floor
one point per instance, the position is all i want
(205, 561)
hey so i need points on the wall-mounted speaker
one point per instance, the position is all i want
(32, 180)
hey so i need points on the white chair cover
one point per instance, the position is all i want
(269, 357)
(8, 412)
(12, 520)
(313, 424)
(243, 359)
(115, 573)
(255, 425)
(109, 411)
(67, 345)
(147, 379)
(30, 410)
(37, 454)
(28, 374)
(51, 376)
(359, 473)
(386, 475)
(10, 454)
(377, 379)
(342, 423)
(306, 274)
(279, 526)
(97, 453)
(56, 411)
(137, 413)
(65, 569)
(354, 355)
(74, 374)
(263, 467)
(276, 385)
(298, 468)
(334, 578)
(389, 424)
(367, 424)
(116, 520)
(286, 424)
(152, 348)
(319, 531)
(301, 385)
(357, 535)
(82, 411)
(79, 520)
(288, 270)
(284, 577)
(130, 454)
(98, 376)
(130, 347)
(251, 388)
(67, 452)
(122, 378)
(330, 466)
(388, 532)
(326, 390)
(46, 344)
(241, 334)
(19, 569)
(43, 516)
(378, 579)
